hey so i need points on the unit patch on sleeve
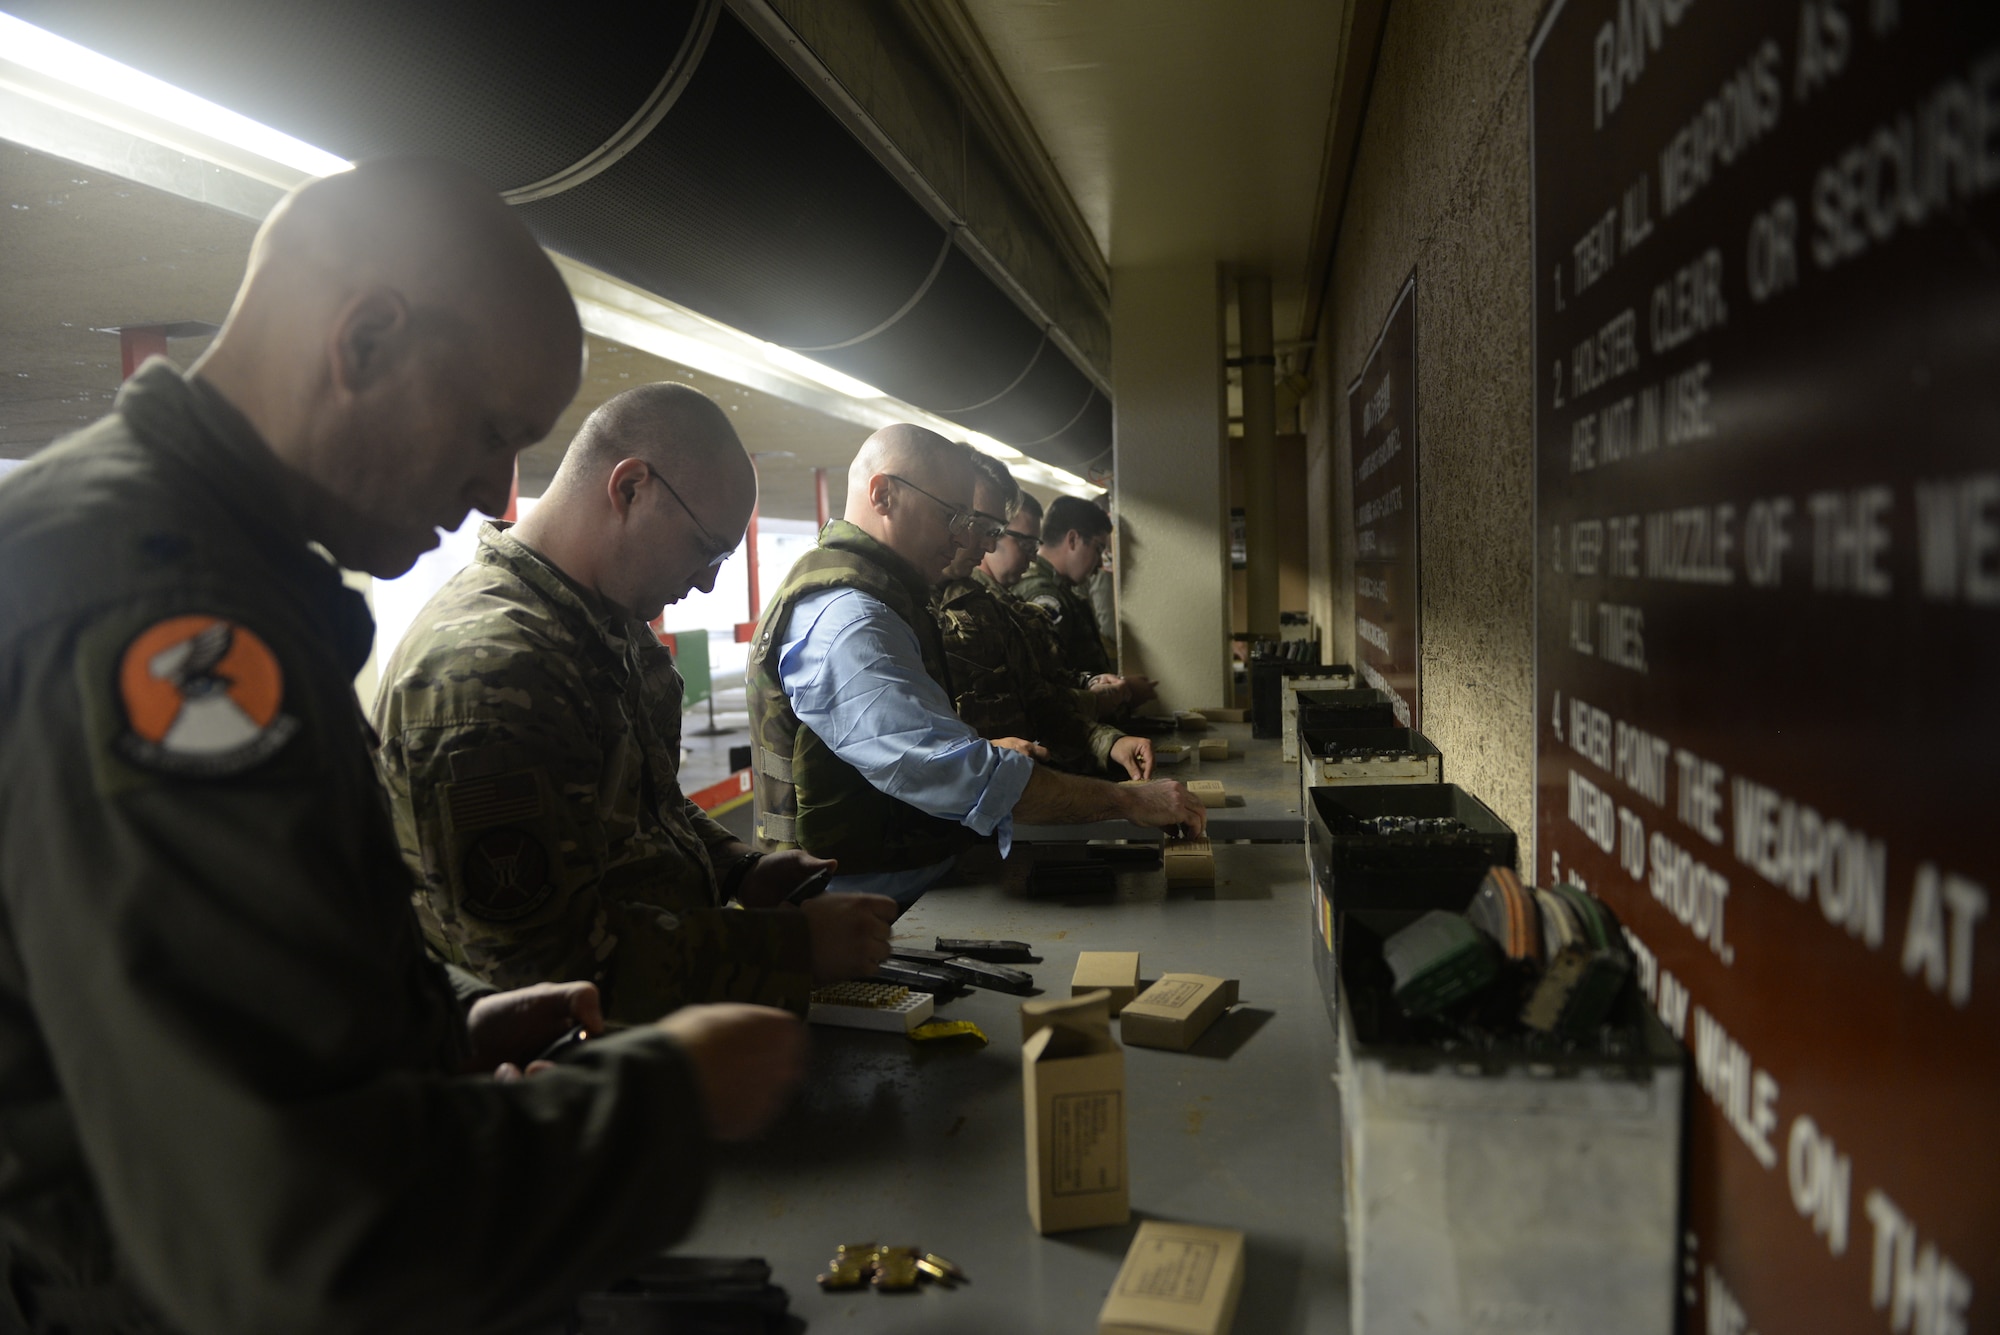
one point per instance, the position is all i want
(1049, 603)
(505, 875)
(201, 696)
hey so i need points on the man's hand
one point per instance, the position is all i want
(777, 875)
(1109, 692)
(850, 935)
(509, 1029)
(746, 1059)
(1027, 748)
(1164, 805)
(1140, 690)
(1135, 754)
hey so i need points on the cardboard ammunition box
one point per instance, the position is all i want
(1288, 704)
(1178, 1279)
(1176, 1010)
(1389, 881)
(1188, 861)
(1221, 714)
(1116, 971)
(1213, 748)
(1209, 792)
(1073, 1102)
(1524, 1180)
(1190, 720)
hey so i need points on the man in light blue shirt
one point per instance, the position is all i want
(860, 757)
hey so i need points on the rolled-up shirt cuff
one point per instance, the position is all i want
(993, 813)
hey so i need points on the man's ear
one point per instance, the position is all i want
(370, 336)
(880, 489)
(622, 483)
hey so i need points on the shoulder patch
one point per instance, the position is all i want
(505, 875)
(201, 696)
(1050, 603)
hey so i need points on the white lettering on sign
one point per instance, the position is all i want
(1746, 1095)
(1380, 507)
(1823, 46)
(1695, 893)
(1692, 545)
(1699, 799)
(1673, 1005)
(1624, 546)
(1376, 408)
(1592, 811)
(1686, 405)
(1381, 454)
(1619, 53)
(1958, 539)
(1579, 627)
(1772, 264)
(1590, 733)
(1609, 353)
(1372, 633)
(1850, 540)
(1596, 249)
(1923, 1291)
(1641, 762)
(1367, 586)
(1726, 127)
(1621, 633)
(1586, 545)
(1725, 1314)
(1806, 855)
(1767, 536)
(1912, 168)
(1821, 1178)
(1690, 303)
(1945, 909)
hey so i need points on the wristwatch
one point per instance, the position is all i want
(732, 880)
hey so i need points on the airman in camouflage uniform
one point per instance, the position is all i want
(531, 727)
(1005, 678)
(1075, 533)
(531, 749)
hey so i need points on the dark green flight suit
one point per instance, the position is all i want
(232, 1094)
(1067, 605)
(1002, 683)
(531, 738)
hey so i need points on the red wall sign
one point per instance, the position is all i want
(1767, 481)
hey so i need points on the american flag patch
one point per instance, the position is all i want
(504, 798)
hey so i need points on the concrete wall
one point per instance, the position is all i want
(1440, 185)
(1173, 548)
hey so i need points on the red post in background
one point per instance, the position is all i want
(137, 342)
(513, 510)
(748, 628)
(819, 494)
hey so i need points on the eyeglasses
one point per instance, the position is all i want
(1027, 542)
(723, 551)
(982, 528)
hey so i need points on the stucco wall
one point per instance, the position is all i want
(1440, 185)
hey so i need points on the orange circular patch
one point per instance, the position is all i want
(182, 654)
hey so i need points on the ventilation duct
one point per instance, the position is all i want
(660, 142)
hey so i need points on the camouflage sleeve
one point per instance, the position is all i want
(723, 847)
(500, 788)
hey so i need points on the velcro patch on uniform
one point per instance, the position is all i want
(503, 799)
(505, 874)
(201, 696)
(1049, 603)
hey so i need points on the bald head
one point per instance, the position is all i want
(653, 493)
(398, 337)
(904, 488)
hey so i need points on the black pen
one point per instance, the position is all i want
(575, 1035)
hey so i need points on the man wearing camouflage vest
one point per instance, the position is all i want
(1004, 678)
(858, 754)
(531, 728)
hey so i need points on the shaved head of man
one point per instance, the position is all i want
(652, 496)
(911, 490)
(398, 339)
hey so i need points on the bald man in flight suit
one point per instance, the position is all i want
(235, 1094)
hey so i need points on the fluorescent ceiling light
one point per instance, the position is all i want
(63, 60)
(82, 90)
(987, 445)
(826, 375)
